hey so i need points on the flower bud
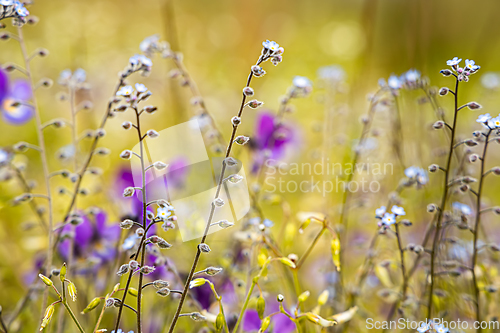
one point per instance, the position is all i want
(446, 72)
(261, 306)
(147, 270)
(49, 312)
(163, 292)
(443, 91)
(438, 124)
(197, 283)
(470, 143)
(126, 125)
(213, 270)
(159, 284)
(254, 104)
(133, 265)
(159, 165)
(247, 91)
(126, 224)
(150, 109)
(153, 134)
(474, 106)
(496, 171)
(236, 121)
(280, 298)
(204, 248)
(431, 208)
(128, 192)
(473, 158)
(46, 280)
(230, 161)
(72, 291)
(218, 202)
(123, 270)
(433, 168)
(126, 154)
(139, 232)
(92, 305)
(304, 296)
(241, 140)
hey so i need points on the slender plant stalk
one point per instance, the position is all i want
(43, 154)
(443, 204)
(476, 231)
(144, 207)
(212, 210)
(344, 218)
(27, 189)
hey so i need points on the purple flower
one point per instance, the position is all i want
(279, 323)
(91, 239)
(272, 141)
(13, 100)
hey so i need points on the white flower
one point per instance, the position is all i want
(439, 328)
(418, 174)
(140, 87)
(494, 122)
(333, 73)
(149, 43)
(125, 91)
(424, 327)
(471, 66)
(483, 118)
(491, 80)
(379, 212)
(463, 208)
(270, 45)
(302, 82)
(4, 157)
(164, 213)
(388, 219)
(6, 2)
(394, 82)
(398, 210)
(453, 62)
(412, 76)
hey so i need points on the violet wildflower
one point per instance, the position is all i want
(14, 99)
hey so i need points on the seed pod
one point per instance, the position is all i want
(92, 305)
(72, 291)
(123, 270)
(261, 307)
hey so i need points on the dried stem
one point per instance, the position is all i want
(476, 230)
(443, 204)
(43, 155)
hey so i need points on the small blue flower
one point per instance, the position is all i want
(470, 65)
(439, 328)
(125, 91)
(417, 174)
(6, 2)
(121, 331)
(140, 87)
(164, 213)
(411, 76)
(483, 118)
(394, 82)
(388, 219)
(462, 208)
(424, 327)
(399, 211)
(494, 122)
(379, 212)
(453, 62)
(270, 45)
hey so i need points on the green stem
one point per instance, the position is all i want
(65, 303)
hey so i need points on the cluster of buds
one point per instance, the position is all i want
(75, 80)
(132, 97)
(462, 73)
(272, 50)
(138, 63)
(14, 9)
(152, 44)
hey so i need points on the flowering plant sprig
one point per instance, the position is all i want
(49, 312)
(460, 75)
(270, 50)
(130, 98)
